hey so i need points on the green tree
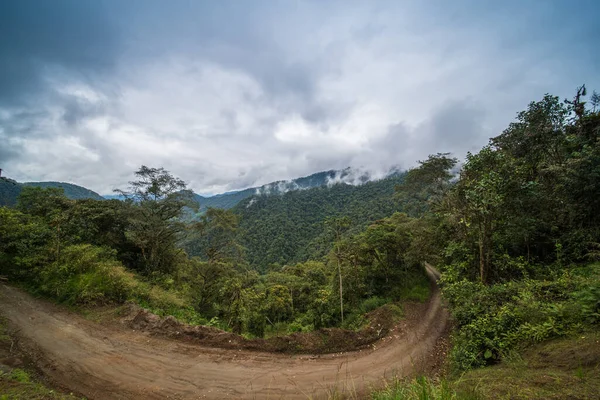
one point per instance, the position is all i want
(426, 184)
(337, 227)
(218, 231)
(51, 205)
(158, 200)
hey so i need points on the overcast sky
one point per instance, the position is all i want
(228, 95)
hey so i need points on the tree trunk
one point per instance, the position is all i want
(341, 289)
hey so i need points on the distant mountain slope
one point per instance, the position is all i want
(10, 190)
(231, 199)
(72, 191)
(291, 227)
(226, 200)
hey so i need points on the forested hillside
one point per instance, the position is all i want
(292, 227)
(325, 178)
(10, 190)
(224, 201)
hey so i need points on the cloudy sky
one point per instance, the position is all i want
(232, 94)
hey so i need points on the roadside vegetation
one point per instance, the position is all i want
(521, 239)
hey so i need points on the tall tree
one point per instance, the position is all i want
(159, 199)
(337, 227)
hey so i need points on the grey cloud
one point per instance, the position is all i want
(455, 127)
(77, 110)
(35, 35)
(9, 152)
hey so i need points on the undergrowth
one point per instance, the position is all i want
(18, 384)
(492, 321)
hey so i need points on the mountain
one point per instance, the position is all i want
(231, 199)
(290, 227)
(225, 200)
(10, 190)
(72, 191)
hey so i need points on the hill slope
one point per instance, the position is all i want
(324, 178)
(291, 227)
(10, 190)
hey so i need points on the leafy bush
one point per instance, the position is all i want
(86, 274)
(371, 304)
(493, 320)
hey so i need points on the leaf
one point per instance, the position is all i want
(488, 354)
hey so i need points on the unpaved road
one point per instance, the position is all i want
(106, 362)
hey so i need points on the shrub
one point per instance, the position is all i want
(493, 320)
(371, 304)
(86, 274)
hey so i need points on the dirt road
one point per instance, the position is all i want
(105, 362)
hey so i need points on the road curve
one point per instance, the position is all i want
(105, 362)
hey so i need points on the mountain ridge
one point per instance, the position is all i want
(350, 176)
(10, 190)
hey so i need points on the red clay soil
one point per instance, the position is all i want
(106, 361)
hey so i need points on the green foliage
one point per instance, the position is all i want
(493, 320)
(86, 274)
(154, 227)
(289, 228)
(19, 375)
(533, 192)
(425, 186)
(371, 304)
(214, 237)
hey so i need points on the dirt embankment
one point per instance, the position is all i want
(105, 361)
(380, 323)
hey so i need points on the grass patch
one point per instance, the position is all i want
(18, 384)
(421, 388)
(558, 369)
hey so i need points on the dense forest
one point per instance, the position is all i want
(278, 229)
(231, 199)
(516, 234)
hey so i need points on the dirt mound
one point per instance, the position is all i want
(321, 341)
